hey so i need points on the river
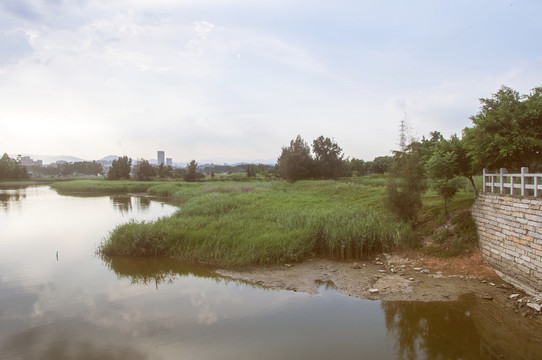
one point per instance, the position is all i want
(59, 300)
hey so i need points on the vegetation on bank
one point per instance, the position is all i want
(233, 224)
(103, 186)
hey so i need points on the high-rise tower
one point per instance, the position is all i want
(161, 158)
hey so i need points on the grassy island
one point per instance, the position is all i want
(250, 223)
(238, 224)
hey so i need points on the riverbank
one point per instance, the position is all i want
(401, 276)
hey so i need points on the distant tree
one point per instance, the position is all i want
(165, 171)
(329, 163)
(251, 170)
(144, 171)
(191, 174)
(120, 168)
(381, 165)
(358, 167)
(295, 161)
(11, 169)
(507, 131)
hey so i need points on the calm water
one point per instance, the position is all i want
(58, 300)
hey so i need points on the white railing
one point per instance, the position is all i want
(523, 184)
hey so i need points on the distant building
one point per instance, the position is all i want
(169, 161)
(27, 161)
(160, 158)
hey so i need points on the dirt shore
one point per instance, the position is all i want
(406, 276)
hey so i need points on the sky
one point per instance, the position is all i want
(236, 80)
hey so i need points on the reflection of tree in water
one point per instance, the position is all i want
(142, 202)
(437, 330)
(151, 270)
(9, 198)
(122, 203)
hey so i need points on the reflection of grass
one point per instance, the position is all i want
(264, 222)
(150, 270)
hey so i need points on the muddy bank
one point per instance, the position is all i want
(392, 277)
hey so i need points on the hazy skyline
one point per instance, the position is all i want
(236, 80)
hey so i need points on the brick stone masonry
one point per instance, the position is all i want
(510, 234)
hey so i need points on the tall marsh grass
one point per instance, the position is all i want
(238, 224)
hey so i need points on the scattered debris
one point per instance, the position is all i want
(373, 291)
(487, 297)
(513, 296)
(536, 307)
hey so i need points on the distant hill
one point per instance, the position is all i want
(48, 159)
(108, 158)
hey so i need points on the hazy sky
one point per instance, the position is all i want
(236, 80)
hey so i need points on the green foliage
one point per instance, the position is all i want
(295, 162)
(11, 169)
(507, 131)
(77, 168)
(381, 165)
(144, 171)
(442, 168)
(406, 183)
(235, 224)
(357, 167)
(103, 186)
(120, 169)
(191, 174)
(329, 163)
(251, 170)
(164, 171)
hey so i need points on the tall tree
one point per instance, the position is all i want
(143, 171)
(507, 131)
(442, 168)
(191, 171)
(120, 168)
(329, 163)
(295, 161)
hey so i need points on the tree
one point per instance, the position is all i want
(358, 167)
(251, 170)
(381, 164)
(295, 161)
(507, 131)
(120, 168)
(165, 171)
(406, 183)
(329, 163)
(143, 171)
(442, 168)
(191, 171)
(11, 169)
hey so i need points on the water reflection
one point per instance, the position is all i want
(470, 328)
(121, 203)
(11, 197)
(151, 270)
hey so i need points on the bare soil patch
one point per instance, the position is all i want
(404, 276)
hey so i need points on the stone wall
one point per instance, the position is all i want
(510, 233)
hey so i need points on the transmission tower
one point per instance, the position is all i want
(403, 128)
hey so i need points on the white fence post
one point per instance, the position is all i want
(536, 186)
(503, 171)
(484, 180)
(524, 170)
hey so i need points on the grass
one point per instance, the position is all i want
(104, 186)
(239, 224)
(453, 234)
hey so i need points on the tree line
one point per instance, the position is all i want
(506, 133)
